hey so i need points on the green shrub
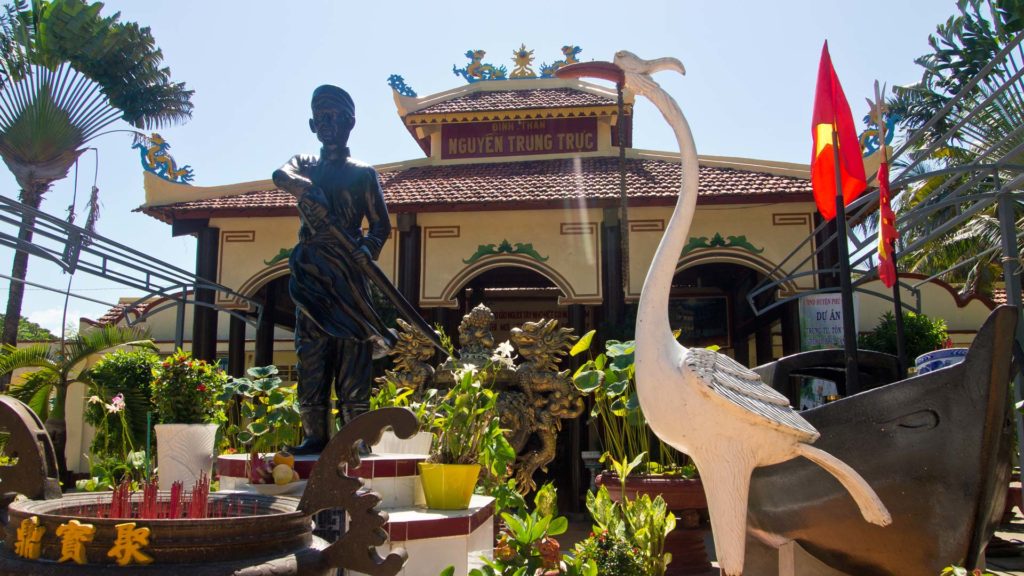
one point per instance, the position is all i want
(612, 554)
(125, 372)
(188, 391)
(921, 334)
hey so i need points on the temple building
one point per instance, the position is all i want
(525, 200)
(518, 203)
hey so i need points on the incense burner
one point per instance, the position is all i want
(149, 533)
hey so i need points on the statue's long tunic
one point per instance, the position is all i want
(326, 284)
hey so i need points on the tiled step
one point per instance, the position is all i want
(436, 539)
(393, 476)
(433, 539)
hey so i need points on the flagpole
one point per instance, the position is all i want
(897, 299)
(845, 284)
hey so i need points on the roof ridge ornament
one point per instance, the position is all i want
(523, 60)
(478, 71)
(156, 160)
(398, 84)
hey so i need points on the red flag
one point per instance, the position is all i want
(832, 112)
(887, 233)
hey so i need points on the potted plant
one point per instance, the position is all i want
(466, 432)
(655, 468)
(263, 420)
(186, 394)
(391, 394)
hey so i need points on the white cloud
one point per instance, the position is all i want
(50, 318)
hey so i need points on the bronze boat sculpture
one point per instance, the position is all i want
(935, 448)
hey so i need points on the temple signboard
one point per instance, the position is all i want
(518, 137)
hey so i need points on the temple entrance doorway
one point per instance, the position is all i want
(709, 305)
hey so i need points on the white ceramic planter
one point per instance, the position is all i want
(930, 361)
(184, 452)
(391, 444)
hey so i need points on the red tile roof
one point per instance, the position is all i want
(116, 314)
(527, 184)
(491, 101)
(999, 296)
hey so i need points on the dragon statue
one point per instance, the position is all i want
(570, 52)
(476, 343)
(541, 397)
(411, 352)
(156, 160)
(477, 70)
(533, 398)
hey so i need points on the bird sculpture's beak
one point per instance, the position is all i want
(603, 70)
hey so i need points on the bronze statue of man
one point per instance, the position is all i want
(335, 321)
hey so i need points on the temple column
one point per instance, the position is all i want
(409, 257)
(236, 347)
(204, 319)
(614, 305)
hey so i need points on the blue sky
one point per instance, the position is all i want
(751, 67)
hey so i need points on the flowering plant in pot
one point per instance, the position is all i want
(467, 434)
(186, 394)
(655, 469)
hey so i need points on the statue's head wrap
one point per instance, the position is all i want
(332, 95)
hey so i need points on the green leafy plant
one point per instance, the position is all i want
(921, 334)
(609, 378)
(642, 522)
(45, 389)
(268, 410)
(127, 373)
(527, 545)
(466, 427)
(388, 394)
(188, 391)
(611, 554)
(108, 471)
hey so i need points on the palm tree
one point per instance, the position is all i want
(45, 389)
(66, 75)
(983, 127)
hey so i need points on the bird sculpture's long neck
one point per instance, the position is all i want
(652, 315)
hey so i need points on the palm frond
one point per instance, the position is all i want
(79, 349)
(36, 390)
(36, 356)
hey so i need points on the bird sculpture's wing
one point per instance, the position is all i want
(741, 386)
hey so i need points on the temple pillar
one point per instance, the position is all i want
(236, 347)
(204, 318)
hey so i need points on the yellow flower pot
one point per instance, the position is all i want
(448, 486)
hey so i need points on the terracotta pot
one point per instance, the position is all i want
(678, 493)
(685, 498)
(448, 486)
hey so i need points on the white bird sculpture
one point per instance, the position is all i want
(703, 403)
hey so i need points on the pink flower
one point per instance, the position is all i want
(116, 404)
